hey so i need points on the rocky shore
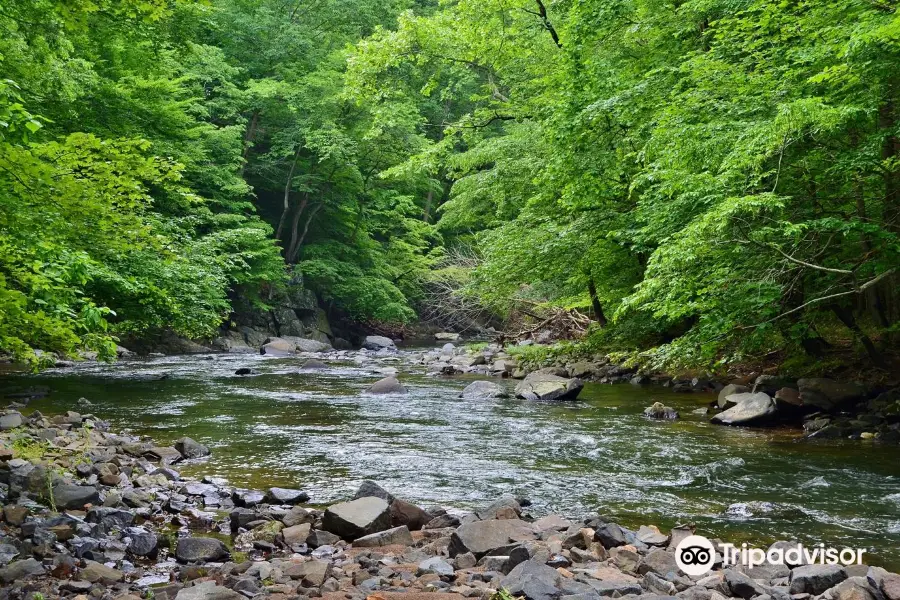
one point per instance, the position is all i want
(92, 514)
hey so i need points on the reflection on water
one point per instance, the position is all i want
(316, 430)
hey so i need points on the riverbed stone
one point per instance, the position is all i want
(828, 394)
(99, 573)
(357, 518)
(815, 579)
(408, 514)
(278, 495)
(660, 411)
(658, 561)
(296, 534)
(320, 537)
(208, 590)
(484, 390)
(141, 541)
(396, 535)
(889, 585)
(749, 409)
(70, 496)
(199, 549)
(311, 573)
(190, 448)
(10, 421)
(378, 342)
(540, 386)
(741, 585)
(21, 569)
(486, 537)
(388, 385)
(533, 580)
(610, 535)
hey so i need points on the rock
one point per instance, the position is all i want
(660, 411)
(538, 386)
(741, 585)
(788, 397)
(828, 394)
(99, 573)
(610, 535)
(369, 488)
(378, 342)
(21, 569)
(388, 385)
(483, 537)
(533, 580)
(731, 388)
(408, 514)
(357, 518)
(278, 495)
(208, 590)
(141, 542)
(197, 549)
(296, 534)
(446, 336)
(397, 535)
(483, 390)
(244, 371)
(750, 409)
(248, 498)
(67, 496)
(436, 565)
(313, 364)
(658, 561)
(852, 588)
(312, 573)
(277, 347)
(651, 535)
(307, 345)
(815, 579)
(189, 448)
(10, 421)
(890, 586)
(318, 537)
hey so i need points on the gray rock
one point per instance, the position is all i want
(196, 549)
(815, 579)
(741, 585)
(534, 581)
(388, 385)
(378, 342)
(278, 495)
(99, 573)
(318, 537)
(658, 561)
(357, 518)
(436, 565)
(248, 498)
(277, 347)
(67, 496)
(21, 569)
(141, 541)
(610, 535)
(852, 588)
(750, 409)
(652, 536)
(10, 421)
(313, 364)
(828, 394)
(540, 386)
(307, 345)
(732, 388)
(486, 537)
(369, 488)
(296, 534)
(396, 535)
(110, 519)
(208, 590)
(311, 573)
(190, 448)
(484, 390)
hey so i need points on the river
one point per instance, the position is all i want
(318, 431)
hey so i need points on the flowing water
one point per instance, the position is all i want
(318, 431)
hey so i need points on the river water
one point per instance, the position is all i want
(318, 431)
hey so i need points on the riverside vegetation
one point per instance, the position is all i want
(693, 185)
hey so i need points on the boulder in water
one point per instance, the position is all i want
(731, 388)
(277, 347)
(378, 342)
(660, 411)
(750, 409)
(388, 385)
(484, 390)
(540, 386)
(190, 448)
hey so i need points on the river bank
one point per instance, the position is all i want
(91, 512)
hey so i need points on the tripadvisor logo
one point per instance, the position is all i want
(695, 555)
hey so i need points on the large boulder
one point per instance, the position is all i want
(660, 411)
(541, 386)
(388, 385)
(728, 390)
(10, 421)
(357, 518)
(277, 347)
(534, 581)
(749, 409)
(828, 394)
(484, 537)
(484, 390)
(307, 345)
(278, 495)
(198, 550)
(378, 342)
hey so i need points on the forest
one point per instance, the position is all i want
(701, 182)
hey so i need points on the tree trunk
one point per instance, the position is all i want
(295, 224)
(595, 303)
(845, 315)
(295, 248)
(287, 195)
(426, 214)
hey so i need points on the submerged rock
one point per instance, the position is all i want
(660, 411)
(484, 390)
(541, 386)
